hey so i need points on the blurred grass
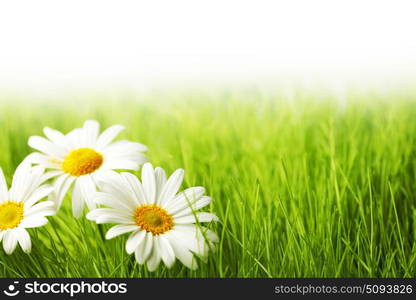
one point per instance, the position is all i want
(303, 188)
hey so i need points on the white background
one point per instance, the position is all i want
(52, 44)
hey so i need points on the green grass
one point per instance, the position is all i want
(304, 188)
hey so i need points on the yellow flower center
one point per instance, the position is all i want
(153, 219)
(11, 214)
(82, 161)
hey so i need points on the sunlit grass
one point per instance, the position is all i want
(303, 188)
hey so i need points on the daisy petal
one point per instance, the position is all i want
(61, 187)
(112, 183)
(26, 179)
(108, 135)
(171, 187)
(32, 222)
(181, 252)
(201, 217)
(111, 201)
(114, 219)
(109, 213)
(136, 187)
(54, 135)
(24, 239)
(73, 139)
(38, 194)
(77, 200)
(4, 194)
(90, 132)
(119, 230)
(21, 182)
(166, 252)
(44, 160)
(202, 202)
(191, 237)
(42, 209)
(154, 258)
(123, 155)
(185, 199)
(87, 189)
(134, 240)
(51, 174)
(149, 183)
(45, 146)
(115, 163)
(125, 146)
(143, 250)
(160, 176)
(9, 241)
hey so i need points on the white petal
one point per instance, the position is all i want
(21, 182)
(160, 176)
(136, 187)
(191, 237)
(116, 185)
(37, 178)
(87, 188)
(95, 214)
(44, 145)
(54, 135)
(119, 230)
(32, 222)
(211, 236)
(109, 215)
(171, 187)
(154, 259)
(44, 160)
(90, 132)
(108, 135)
(61, 186)
(42, 209)
(25, 181)
(112, 183)
(124, 148)
(122, 163)
(9, 241)
(73, 140)
(24, 239)
(38, 194)
(181, 251)
(4, 193)
(123, 155)
(143, 250)
(149, 183)
(185, 199)
(166, 251)
(111, 201)
(51, 174)
(201, 217)
(134, 240)
(202, 202)
(114, 219)
(77, 200)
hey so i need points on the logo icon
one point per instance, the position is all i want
(12, 290)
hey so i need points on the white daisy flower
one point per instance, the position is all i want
(81, 157)
(19, 207)
(161, 222)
